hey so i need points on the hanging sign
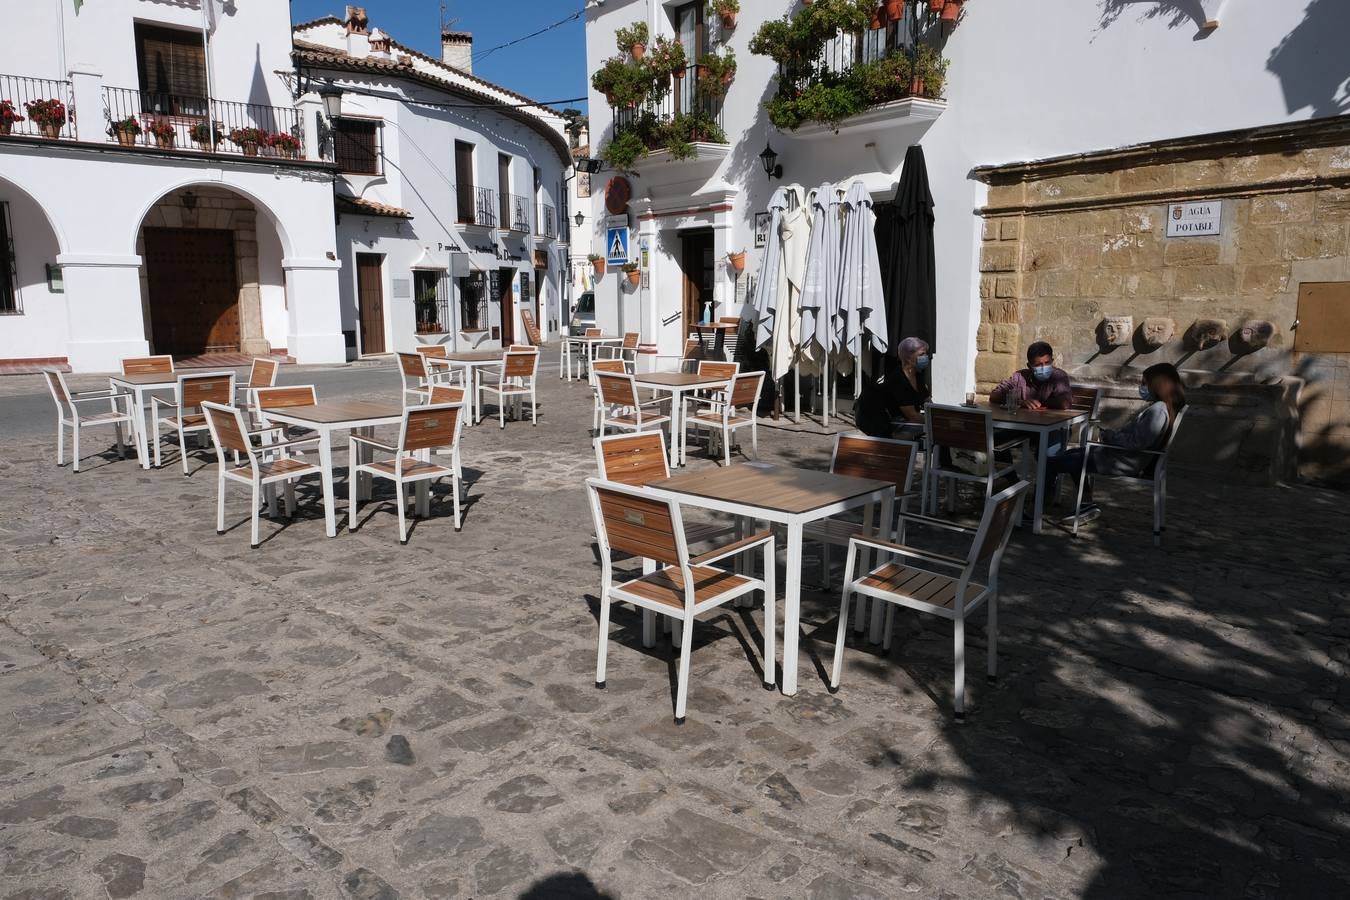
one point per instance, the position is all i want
(616, 245)
(1194, 218)
(617, 194)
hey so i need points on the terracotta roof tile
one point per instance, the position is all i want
(361, 206)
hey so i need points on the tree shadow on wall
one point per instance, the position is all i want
(1311, 61)
(1176, 12)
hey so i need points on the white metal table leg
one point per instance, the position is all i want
(326, 476)
(142, 435)
(792, 606)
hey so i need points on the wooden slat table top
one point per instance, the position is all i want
(781, 488)
(677, 379)
(1037, 417)
(602, 339)
(147, 379)
(470, 356)
(716, 326)
(333, 412)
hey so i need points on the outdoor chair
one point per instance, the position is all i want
(424, 430)
(281, 398)
(69, 415)
(687, 361)
(1089, 400)
(633, 521)
(444, 393)
(603, 365)
(184, 414)
(727, 409)
(639, 459)
(440, 372)
(861, 456)
(147, 365)
(516, 380)
(621, 409)
(934, 583)
(627, 351)
(594, 332)
(262, 374)
(417, 377)
(1154, 473)
(962, 428)
(267, 463)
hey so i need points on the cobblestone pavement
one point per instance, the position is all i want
(351, 718)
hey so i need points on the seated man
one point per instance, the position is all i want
(1041, 385)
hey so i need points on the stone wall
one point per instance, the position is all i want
(1068, 243)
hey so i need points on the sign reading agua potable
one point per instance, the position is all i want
(1193, 218)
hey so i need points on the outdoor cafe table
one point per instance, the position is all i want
(785, 496)
(676, 384)
(139, 386)
(718, 332)
(328, 416)
(587, 345)
(1042, 423)
(470, 361)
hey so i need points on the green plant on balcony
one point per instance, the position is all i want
(8, 116)
(725, 10)
(48, 115)
(625, 84)
(666, 58)
(716, 72)
(207, 135)
(930, 72)
(624, 150)
(633, 40)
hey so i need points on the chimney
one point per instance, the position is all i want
(457, 50)
(380, 43)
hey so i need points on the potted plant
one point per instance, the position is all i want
(597, 263)
(895, 10)
(207, 135)
(633, 40)
(625, 150)
(936, 5)
(716, 72)
(667, 57)
(725, 10)
(125, 130)
(951, 10)
(48, 115)
(737, 261)
(625, 84)
(249, 139)
(427, 322)
(633, 271)
(162, 130)
(930, 73)
(284, 144)
(8, 116)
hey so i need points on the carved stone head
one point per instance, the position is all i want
(1156, 331)
(1116, 330)
(1206, 333)
(1255, 335)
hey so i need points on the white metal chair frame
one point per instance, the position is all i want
(652, 528)
(68, 415)
(602, 365)
(627, 351)
(721, 413)
(422, 432)
(933, 472)
(266, 465)
(943, 587)
(441, 374)
(1154, 474)
(618, 392)
(191, 391)
(416, 375)
(516, 379)
(262, 374)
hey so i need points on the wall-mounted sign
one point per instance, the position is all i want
(762, 221)
(616, 246)
(1194, 218)
(617, 194)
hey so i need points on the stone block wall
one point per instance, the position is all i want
(1068, 242)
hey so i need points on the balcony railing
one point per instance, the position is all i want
(18, 94)
(483, 210)
(178, 122)
(515, 213)
(675, 100)
(548, 221)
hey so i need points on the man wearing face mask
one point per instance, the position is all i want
(1041, 385)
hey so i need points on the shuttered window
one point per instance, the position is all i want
(170, 62)
(356, 146)
(9, 295)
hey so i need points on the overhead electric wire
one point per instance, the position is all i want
(547, 28)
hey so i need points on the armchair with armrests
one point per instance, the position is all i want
(1153, 473)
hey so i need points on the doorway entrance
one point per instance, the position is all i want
(370, 301)
(696, 262)
(506, 277)
(193, 289)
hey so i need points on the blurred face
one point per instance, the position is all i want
(1037, 362)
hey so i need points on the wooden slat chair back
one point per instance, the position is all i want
(416, 377)
(641, 523)
(520, 348)
(715, 369)
(443, 393)
(630, 340)
(1086, 399)
(263, 373)
(147, 365)
(617, 388)
(436, 351)
(424, 431)
(413, 365)
(633, 459)
(745, 390)
(936, 584)
(68, 415)
(883, 458)
(960, 429)
(594, 332)
(194, 390)
(609, 365)
(265, 465)
(290, 395)
(519, 364)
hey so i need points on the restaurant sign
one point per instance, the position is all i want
(1194, 218)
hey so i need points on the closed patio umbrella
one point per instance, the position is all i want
(820, 293)
(763, 306)
(862, 311)
(911, 282)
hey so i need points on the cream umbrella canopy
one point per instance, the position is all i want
(820, 290)
(794, 233)
(763, 308)
(862, 309)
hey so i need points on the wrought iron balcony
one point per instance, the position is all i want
(477, 206)
(675, 101)
(548, 221)
(201, 124)
(36, 107)
(515, 213)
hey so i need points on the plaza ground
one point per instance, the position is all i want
(350, 718)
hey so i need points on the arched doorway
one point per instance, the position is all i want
(208, 258)
(33, 320)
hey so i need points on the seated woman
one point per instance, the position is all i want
(1149, 430)
(897, 400)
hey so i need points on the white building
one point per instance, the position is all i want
(183, 248)
(448, 205)
(1070, 86)
(580, 237)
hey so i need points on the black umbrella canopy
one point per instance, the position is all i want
(909, 283)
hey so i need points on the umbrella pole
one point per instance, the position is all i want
(825, 394)
(796, 392)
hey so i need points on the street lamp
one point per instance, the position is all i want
(769, 160)
(579, 218)
(589, 165)
(331, 95)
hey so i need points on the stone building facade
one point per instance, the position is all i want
(1075, 251)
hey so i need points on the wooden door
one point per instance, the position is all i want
(696, 261)
(508, 310)
(193, 290)
(464, 187)
(370, 301)
(504, 191)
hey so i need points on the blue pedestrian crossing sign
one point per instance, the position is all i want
(616, 245)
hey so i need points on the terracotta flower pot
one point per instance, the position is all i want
(936, 5)
(638, 51)
(6, 127)
(728, 20)
(126, 138)
(250, 149)
(164, 142)
(634, 277)
(50, 130)
(204, 146)
(737, 261)
(876, 22)
(895, 10)
(599, 266)
(951, 10)
(677, 73)
(917, 87)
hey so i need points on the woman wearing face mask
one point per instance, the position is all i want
(896, 400)
(1165, 396)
